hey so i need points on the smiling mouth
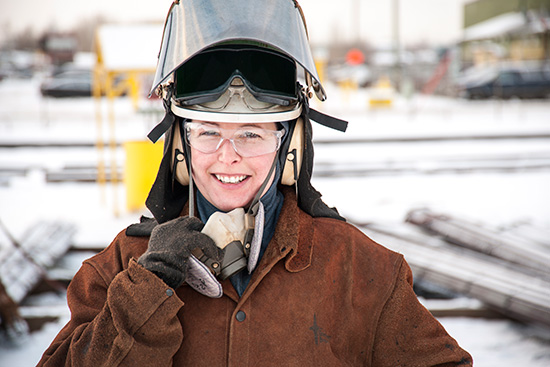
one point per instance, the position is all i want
(231, 179)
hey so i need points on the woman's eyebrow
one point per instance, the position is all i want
(210, 124)
(251, 125)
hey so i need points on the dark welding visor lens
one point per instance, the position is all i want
(268, 75)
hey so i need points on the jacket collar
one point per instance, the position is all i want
(292, 238)
(294, 234)
(291, 241)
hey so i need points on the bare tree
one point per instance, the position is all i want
(24, 40)
(85, 32)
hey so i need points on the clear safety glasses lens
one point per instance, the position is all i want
(269, 76)
(249, 141)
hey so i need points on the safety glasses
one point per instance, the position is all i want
(270, 77)
(247, 141)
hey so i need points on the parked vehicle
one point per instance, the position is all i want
(509, 83)
(359, 74)
(73, 83)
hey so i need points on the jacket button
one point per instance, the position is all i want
(240, 316)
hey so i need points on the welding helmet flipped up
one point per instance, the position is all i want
(194, 26)
(234, 61)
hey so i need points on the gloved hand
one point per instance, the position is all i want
(170, 246)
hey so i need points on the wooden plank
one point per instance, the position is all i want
(435, 166)
(459, 307)
(67, 266)
(12, 325)
(528, 232)
(36, 316)
(511, 292)
(88, 176)
(22, 266)
(483, 238)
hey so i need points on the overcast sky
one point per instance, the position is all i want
(430, 21)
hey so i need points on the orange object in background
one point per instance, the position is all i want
(355, 57)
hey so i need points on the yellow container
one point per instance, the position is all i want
(382, 94)
(140, 170)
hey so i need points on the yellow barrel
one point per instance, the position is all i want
(140, 170)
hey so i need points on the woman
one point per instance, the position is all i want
(295, 285)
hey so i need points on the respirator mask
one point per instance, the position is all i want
(239, 234)
(233, 232)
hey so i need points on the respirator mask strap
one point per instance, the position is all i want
(250, 216)
(191, 185)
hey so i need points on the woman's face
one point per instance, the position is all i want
(225, 178)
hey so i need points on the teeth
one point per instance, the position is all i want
(231, 180)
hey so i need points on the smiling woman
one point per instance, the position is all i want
(273, 275)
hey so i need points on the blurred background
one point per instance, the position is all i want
(446, 158)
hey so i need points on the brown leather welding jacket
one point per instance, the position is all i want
(323, 294)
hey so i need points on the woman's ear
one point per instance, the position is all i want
(294, 155)
(179, 163)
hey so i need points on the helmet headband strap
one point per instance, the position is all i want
(323, 119)
(167, 121)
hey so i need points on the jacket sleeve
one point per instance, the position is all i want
(408, 335)
(130, 322)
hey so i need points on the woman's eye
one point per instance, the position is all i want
(209, 133)
(251, 135)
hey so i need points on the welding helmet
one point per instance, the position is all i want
(193, 26)
(234, 61)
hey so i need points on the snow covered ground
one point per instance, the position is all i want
(502, 182)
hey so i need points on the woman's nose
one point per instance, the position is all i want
(227, 153)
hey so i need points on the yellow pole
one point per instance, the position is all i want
(96, 90)
(133, 81)
(112, 142)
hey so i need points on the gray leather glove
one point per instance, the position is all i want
(170, 246)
